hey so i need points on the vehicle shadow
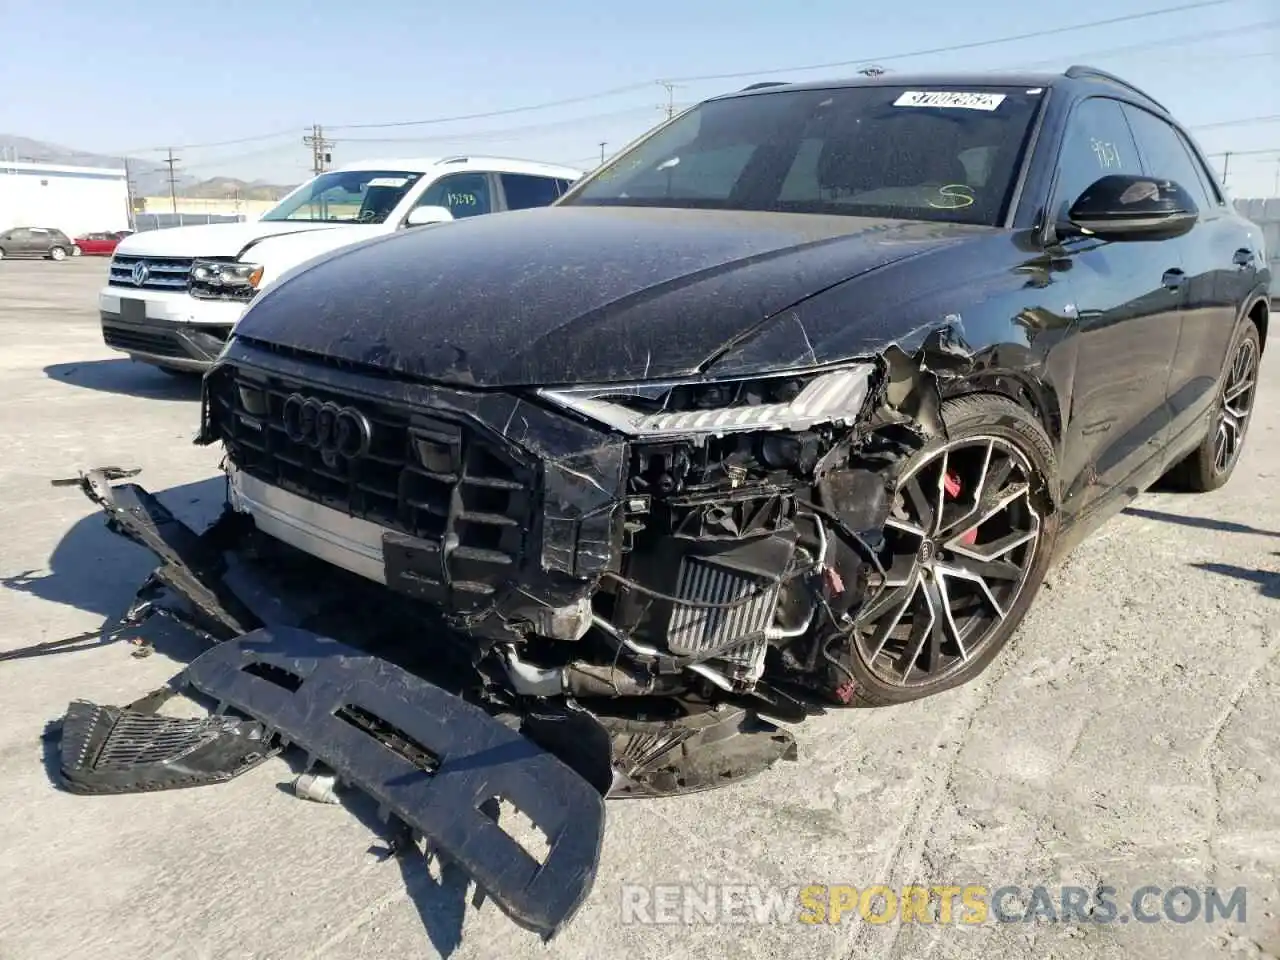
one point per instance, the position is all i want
(1268, 581)
(1200, 523)
(95, 570)
(98, 571)
(126, 377)
(440, 899)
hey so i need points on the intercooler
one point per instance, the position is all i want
(734, 634)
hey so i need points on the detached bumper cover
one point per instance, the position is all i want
(433, 761)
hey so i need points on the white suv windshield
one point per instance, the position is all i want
(346, 196)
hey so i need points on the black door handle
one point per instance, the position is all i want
(1243, 257)
(1173, 279)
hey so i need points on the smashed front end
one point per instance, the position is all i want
(543, 596)
(690, 542)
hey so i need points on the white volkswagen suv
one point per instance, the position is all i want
(173, 295)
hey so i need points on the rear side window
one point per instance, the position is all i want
(1097, 143)
(1166, 156)
(463, 194)
(524, 191)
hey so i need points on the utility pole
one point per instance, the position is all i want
(670, 105)
(602, 143)
(170, 161)
(320, 147)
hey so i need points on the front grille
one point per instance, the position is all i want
(699, 631)
(425, 475)
(142, 341)
(163, 273)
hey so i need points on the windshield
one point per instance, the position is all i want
(346, 196)
(874, 151)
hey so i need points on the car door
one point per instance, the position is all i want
(1126, 297)
(1210, 253)
(19, 243)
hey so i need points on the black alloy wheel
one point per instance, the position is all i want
(1211, 464)
(966, 548)
(1236, 405)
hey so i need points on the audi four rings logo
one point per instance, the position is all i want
(327, 427)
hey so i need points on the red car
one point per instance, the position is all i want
(99, 244)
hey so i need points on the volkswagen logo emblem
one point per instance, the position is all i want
(140, 273)
(332, 430)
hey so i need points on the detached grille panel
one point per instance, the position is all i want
(429, 477)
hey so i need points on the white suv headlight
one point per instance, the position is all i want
(790, 401)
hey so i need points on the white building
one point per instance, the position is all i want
(75, 200)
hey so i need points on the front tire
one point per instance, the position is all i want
(57, 253)
(1210, 465)
(967, 546)
(76, 251)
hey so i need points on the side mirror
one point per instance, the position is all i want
(421, 216)
(1129, 207)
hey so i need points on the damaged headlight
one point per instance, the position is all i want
(792, 401)
(218, 279)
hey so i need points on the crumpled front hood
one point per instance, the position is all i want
(572, 294)
(213, 239)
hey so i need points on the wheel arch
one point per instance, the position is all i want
(1036, 398)
(1259, 314)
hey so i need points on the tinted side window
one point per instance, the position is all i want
(1097, 144)
(463, 194)
(524, 191)
(564, 185)
(1165, 156)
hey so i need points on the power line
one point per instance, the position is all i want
(629, 88)
(1243, 153)
(1160, 44)
(292, 131)
(568, 101)
(1240, 122)
(951, 48)
(501, 132)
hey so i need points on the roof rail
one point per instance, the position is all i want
(764, 83)
(1082, 72)
(453, 160)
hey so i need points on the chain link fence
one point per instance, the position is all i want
(159, 221)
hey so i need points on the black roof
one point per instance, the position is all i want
(1076, 76)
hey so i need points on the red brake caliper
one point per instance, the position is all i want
(951, 484)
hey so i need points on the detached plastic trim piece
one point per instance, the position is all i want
(431, 759)
(121, 750)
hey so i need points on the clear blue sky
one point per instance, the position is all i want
(129, 75)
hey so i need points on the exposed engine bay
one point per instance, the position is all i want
(720, 554)
(407, 577)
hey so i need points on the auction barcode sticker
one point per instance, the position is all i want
(953, 99)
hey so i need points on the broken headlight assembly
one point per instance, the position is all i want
(790, 401)
(225, 280)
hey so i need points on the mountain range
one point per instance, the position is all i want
(150, 177)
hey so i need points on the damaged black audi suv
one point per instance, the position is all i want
(790, 405)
